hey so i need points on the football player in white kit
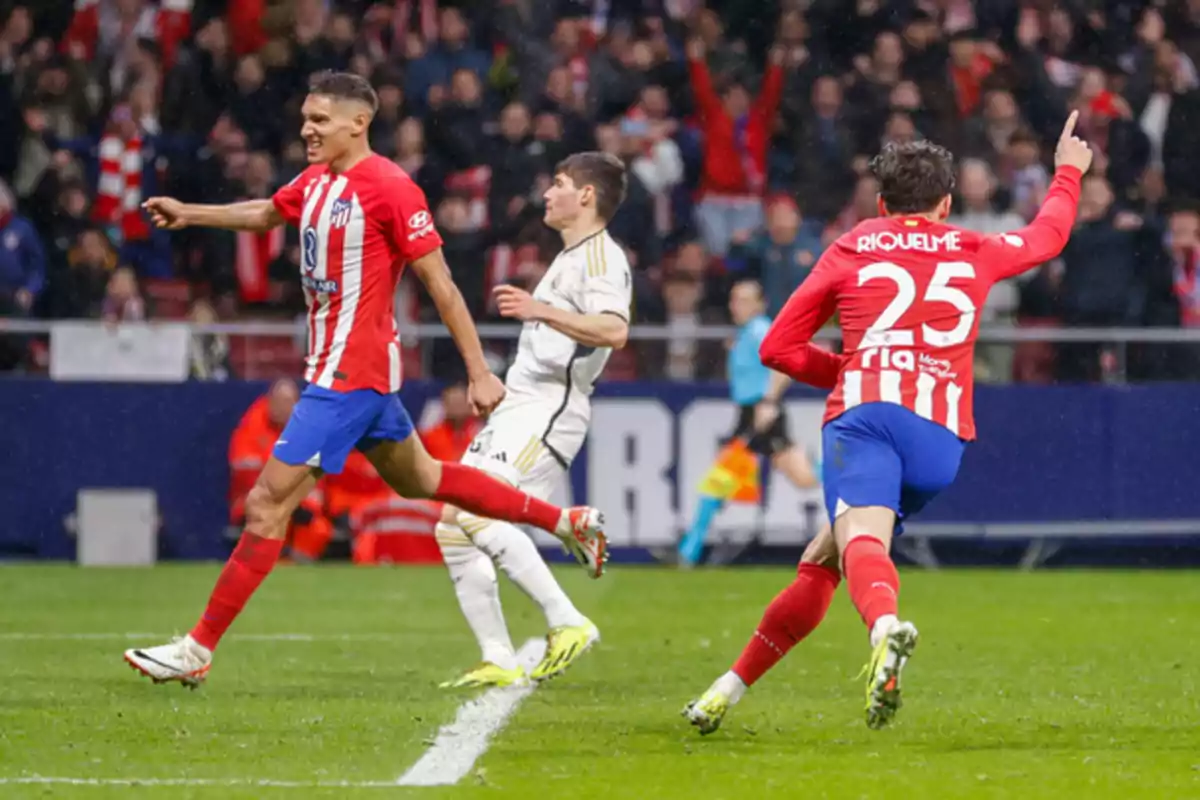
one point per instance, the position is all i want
(575, 317)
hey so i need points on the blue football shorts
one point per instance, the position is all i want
(882, 454)
(326, 425)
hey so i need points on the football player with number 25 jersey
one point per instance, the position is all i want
(906, 288)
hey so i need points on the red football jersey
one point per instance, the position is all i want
(907, 292)
(357, 231)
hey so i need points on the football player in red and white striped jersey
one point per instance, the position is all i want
(906, 288)
(362, 220)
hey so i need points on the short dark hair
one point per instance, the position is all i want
(913, 176)
(604, 172)
(344, 86)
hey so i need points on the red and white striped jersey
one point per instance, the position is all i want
(907, 291)
(357, 231)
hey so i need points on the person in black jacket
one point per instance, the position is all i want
(1103, 284)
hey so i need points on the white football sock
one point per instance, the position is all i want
(518, 556)
(474, 579)
(881, 628)
(731, 686)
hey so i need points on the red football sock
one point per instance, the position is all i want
(793, 614)
(250, 563)
(479, 493)
(871, 578)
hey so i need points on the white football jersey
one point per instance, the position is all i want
(591, 277)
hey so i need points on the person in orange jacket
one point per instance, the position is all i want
(356, 486)
(388, 528)
(449, 439)
(250, 447)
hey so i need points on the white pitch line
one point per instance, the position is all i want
(461, 743)
(12, 636)
(227, 782)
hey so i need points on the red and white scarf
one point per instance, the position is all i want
(255, 252)
(119, 191)
(1187, 287)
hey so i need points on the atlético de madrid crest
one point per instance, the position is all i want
(339, 213)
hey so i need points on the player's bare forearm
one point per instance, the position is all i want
(431, 268)
(250, 215)
(590, 330)
(776, 387)
(1045, 237)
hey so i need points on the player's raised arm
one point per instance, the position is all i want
(1012, 253)
(250, 215)
(485, 388)
(788, 347)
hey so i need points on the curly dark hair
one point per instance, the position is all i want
(913, 177)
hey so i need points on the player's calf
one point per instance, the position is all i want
(864, 536)
(794, 614)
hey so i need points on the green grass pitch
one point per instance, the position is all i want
(1048, 685)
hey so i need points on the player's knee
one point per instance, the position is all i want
(265, 514)
(821, 551)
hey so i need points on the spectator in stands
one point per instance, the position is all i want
(987, 136)
(208, 355)
(823, 139)
(634, 222)
(22, 259)
(123, 300)
(249, 448)
(83, 282)
(1183, 246)
(1102, 283)
(253, 252)
(682, 294)
(780, 256)
(515, 160)
(452, 52)
(736, 132)
(1027, 177)
(457, 125)
(977, 212)
(351, 491)
(388, 85)
(653, 156)
(449, 439)
(253, 105)
(413, 158)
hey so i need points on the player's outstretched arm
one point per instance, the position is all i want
(603, 329)
(251, 215)
(1045, 237)
(486, 390)
(788, 347)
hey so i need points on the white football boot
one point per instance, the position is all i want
(581, 531)
(183, 661)
(894, 643)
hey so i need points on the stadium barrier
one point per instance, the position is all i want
(81, 349)
(1116, 463)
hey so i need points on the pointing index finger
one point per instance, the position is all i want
(1069, 128)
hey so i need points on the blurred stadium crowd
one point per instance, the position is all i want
(747, 128)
